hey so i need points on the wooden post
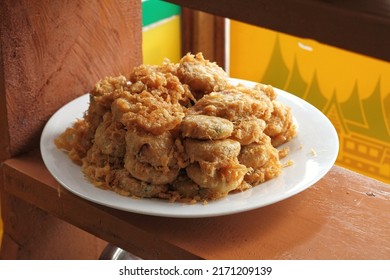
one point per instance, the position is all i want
(54, 51)
(203, 32)
(50, 53)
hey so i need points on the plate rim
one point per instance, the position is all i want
(177, 214)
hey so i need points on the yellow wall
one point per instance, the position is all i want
(351, 89)
(162, 40)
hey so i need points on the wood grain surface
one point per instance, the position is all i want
(54, 51)
(47, 236)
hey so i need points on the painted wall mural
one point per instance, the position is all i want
(352, 90)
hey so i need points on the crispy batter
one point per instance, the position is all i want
(148, 112)
(99, 167)
(201, 74)
(110, 137)
(262, 158)
(248, 130)
(186, 188)
(234, 105)
(224, 180)
(280, 126)
(151, 158)
(127, 185)
(206, 127)
(75, 141)
(179, 132)
(211, 151)
(214, 166)
(267, 89)
(161, 81)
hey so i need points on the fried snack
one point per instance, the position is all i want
(149, 112)
(127, 185)
(224, 180)
(214, 166)
(248, 130)
(233, 105)
(280, 126)
(201, 75)
(217, 151)
(161, 81)
(179, 132)
(74, 141)
(109, 136)
(206, 127)
(263, 160)
(100, 168)
(151, 158)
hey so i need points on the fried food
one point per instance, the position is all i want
(201, 75)
(225, 179)
(211, 151)
(109, 136)
(75, 141)
(100, 168)
(180, 132)
(214, 165)
(280, 126)
(248, 130)
(206, 127)
(233, 105)
(263, 160)
(149, 112)
(162, 81)
(151, 158)
(127, 185)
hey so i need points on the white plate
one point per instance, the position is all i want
(313, 152)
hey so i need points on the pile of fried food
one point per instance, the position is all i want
(180, 132)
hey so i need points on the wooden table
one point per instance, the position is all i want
(343, 216)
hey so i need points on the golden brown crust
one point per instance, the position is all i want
(263, 160)
(148, 112)
(225, 179)
(280, 126)
(234, 105)
(206, 127)
(179, 132)
(201, 74)
(151, 158)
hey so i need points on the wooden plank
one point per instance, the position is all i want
(343, 216)
(27, 178)
(33, 234)
(358, 26)
(54, 51)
